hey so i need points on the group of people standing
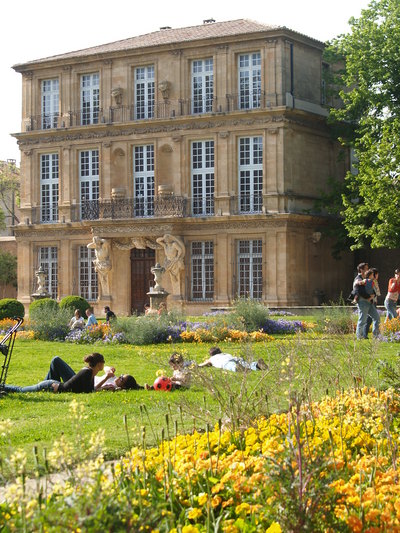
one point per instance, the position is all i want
(365, 294)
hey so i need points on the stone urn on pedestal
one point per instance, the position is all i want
(157, 294)
(41, 291)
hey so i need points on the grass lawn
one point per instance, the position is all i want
(306, 363)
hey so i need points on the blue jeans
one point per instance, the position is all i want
(59, 370)
(365, 308)
(390, 306)
(43, 385)
(238, 363)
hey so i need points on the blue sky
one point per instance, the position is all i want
(32, 30)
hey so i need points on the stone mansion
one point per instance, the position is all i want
(203, 149)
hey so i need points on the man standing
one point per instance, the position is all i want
(365, 304)
(109, 314)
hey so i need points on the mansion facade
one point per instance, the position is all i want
(203, 149)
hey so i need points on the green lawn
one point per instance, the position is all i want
(309, 364)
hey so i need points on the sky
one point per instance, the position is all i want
(42, 28)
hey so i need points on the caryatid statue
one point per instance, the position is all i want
(102, 263)
(174, 263)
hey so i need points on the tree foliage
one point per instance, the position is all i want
(370, 90)
(8, 270)
(9, 188)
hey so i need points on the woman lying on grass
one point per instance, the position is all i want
(61, 378)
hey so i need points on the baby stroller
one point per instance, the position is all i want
(6, 348)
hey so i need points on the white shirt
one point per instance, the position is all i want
(220, 360)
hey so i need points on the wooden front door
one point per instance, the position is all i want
(141, 277)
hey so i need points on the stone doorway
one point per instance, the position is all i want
(141, 277)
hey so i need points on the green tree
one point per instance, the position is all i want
(369, 86)
(9, 189)
(8, 270)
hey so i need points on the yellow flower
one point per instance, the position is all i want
(243, 508)
(274, 528)
(202, 498)
(190, 529)
(194, 513)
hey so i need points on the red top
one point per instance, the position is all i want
(393, 286)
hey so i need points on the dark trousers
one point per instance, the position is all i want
(59, 370)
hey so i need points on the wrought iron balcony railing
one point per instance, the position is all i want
(170, 206)
(244, 101)
(124, 208)
(246, 204)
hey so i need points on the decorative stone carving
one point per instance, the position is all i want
(41, 291)
(136, 242)
(164, 87)
(117, 95)
(166, 148)
(174, 264)
(102, 263)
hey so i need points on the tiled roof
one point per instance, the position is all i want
(168, 36)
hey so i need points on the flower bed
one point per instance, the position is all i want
(325, 466)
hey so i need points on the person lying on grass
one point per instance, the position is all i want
(61, 378)
(226, 361)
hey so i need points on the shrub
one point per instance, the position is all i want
(10, 308)
(74, 302)
(49, 303)
(253, 314)
(50, 324)
(149, 329)
(335, 320)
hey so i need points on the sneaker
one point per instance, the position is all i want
(262, 365)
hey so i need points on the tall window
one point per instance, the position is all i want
(143, 178)
(202, 86)
(49, 188)
(202, 271)
(48, 260)
(250, 81)
(50, 103)
(90, 99)
(144, 92)
(89, 183)
(250, 174)
(249, 269)
(202, 178)
(88, 283)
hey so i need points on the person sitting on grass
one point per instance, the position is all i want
(76, 321)
(227, 361)
(61, 378)
(91, 319)
(181, 377)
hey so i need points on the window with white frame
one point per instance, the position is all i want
(50, 103)
(249, 80)
(202, 173)
(143, 180)
(144, 92)
(49, 169)
(250, 174)
(48, 260)
(90, 98)
(202, 85)
(249, 269)
(88, 281)
(89, 183)
(202, 270)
